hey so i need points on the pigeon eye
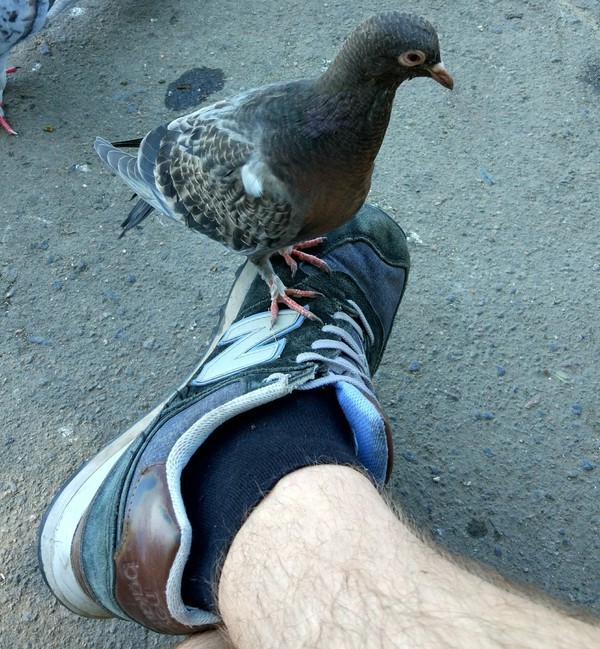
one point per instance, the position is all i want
(410, 58)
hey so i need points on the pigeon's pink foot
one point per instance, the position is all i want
(291, 253)
(4, 124)
(283, 295)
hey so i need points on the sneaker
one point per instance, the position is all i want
(116, 538)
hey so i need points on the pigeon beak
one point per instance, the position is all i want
(438, 73)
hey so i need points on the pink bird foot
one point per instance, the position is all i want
(285, 297)
(291, 253)
(4, 124)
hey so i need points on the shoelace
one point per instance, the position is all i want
(352, 366)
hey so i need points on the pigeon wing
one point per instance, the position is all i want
(212, 171)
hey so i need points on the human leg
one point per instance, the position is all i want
(324, 562)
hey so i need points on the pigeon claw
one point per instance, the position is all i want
(286, 298)
(280, 294)
(4, 124)
(291, 253)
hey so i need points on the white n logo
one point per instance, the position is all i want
(252, 341)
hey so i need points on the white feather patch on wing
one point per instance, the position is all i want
(253, 176)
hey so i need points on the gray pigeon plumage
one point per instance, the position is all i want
(20, 19)
(273, 167)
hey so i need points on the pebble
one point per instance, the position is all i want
(485, 175)
(39, 340)
(500, 371)
(576, 409)
(409, 456)
(586, 465)
(149, 343)
(131, 278)
(44, 49)
(415, 366)
(488, 451)
(112, 295)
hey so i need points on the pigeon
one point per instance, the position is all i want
(19, 19)
(274, 169)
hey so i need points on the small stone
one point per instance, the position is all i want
(415, 366)
(409, 456)
(576, 409)
(500, 371)
(112, 295)
(586, 465)
(39, 340)
(149, 343)
(44, 49)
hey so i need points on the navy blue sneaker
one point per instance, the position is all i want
(116, 538)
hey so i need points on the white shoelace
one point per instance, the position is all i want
(353, 366)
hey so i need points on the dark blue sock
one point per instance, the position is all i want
(241, 462)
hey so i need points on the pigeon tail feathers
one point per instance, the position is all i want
(128, 168)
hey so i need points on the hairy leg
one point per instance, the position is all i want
(324, 562)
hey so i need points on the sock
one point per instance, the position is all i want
(241, 462)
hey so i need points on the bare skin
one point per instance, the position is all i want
(324, 562)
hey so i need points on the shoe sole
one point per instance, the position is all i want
(59, 524)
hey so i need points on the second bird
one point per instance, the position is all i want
(275, 167)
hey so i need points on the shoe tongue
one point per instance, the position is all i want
(368, 427)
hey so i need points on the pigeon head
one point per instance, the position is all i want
(391, 47)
